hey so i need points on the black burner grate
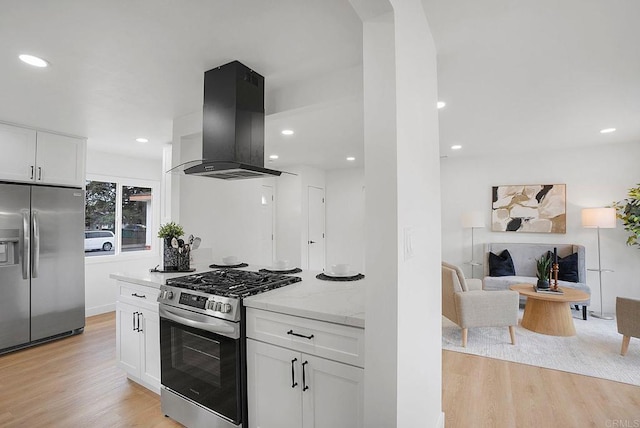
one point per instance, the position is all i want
(232, 283)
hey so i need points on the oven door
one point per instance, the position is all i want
(200, 358)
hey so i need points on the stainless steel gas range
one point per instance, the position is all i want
(202, 345)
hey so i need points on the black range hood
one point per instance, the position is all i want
(232, 125)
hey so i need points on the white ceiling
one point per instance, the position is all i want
(123, 69)
(535, 75)
(515, 75)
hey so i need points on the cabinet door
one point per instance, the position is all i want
(18, 148)
(274, 401)
(334, 394)
(60, 160)
(150, 352)
(127, 339)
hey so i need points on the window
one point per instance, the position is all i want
(100, 215)
(119, 217)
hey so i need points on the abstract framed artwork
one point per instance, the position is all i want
(539, 208)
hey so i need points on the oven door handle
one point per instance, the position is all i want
(203, 322)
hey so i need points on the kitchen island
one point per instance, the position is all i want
(332, 301)
(304, 346)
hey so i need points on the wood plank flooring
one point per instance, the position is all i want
(484, 392)
(74, 382)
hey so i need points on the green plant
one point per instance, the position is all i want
(170, 230)
(543, 265)
(628, 210)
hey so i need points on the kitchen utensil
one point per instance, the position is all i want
(180, 243)
(196, 243)
(190, 239)
(174, 243)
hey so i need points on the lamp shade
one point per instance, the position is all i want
(472, 219)
(604, 218)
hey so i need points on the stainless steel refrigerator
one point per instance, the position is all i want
(41, 264)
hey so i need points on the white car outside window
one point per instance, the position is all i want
(98, 240)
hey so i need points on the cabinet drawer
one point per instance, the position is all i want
(334, 341)
(140, 295)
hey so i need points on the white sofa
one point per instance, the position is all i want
(524, 261)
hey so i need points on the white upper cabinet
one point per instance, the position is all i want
(18, 153)
(60, 160)
(41, 157)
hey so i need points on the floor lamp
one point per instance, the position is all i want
(472, 220)
(599, 218)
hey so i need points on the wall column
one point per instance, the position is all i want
(403, 369)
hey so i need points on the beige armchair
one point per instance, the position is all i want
(628, 316)
(466, 304)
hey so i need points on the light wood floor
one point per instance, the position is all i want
(73, 382)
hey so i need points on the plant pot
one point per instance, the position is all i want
(169, 256)
(543, 284)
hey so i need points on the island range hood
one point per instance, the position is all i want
(232, 125)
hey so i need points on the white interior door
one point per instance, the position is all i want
(315, 242)
(266, 240)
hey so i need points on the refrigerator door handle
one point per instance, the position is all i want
(36, 245)
(26, 247)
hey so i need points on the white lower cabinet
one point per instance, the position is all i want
(138, 342)
(288, 388)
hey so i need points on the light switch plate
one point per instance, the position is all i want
(408, 243)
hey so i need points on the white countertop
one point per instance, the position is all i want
(155, 279)
(340, 302)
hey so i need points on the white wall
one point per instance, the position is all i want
(595, 177)
(100, 290)
(289, 218)
(403, 375)
(345, 199)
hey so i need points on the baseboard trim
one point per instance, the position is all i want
(440, 423)
(97, 310)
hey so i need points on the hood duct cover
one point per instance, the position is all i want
(232, 125)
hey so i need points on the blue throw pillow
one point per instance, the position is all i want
(501, 265)
(567, 267)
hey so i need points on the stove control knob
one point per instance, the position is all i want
(210, 304)
(226, 308)
(218, 306)
(169, 295)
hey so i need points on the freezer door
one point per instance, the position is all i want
(14, 265)
(57, 261)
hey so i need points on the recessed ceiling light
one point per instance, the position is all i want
(456, 147)
(351, 158)
(287, 132)
(273, 157)
(142, 140)
(441, 104)
(33, 60)
(607, 130)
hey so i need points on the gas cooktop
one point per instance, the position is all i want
(232, 283)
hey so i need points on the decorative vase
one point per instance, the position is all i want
(543, 284)
(170, 256)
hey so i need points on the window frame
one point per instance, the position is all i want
(154, 251)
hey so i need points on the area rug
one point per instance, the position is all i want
(593, 351)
